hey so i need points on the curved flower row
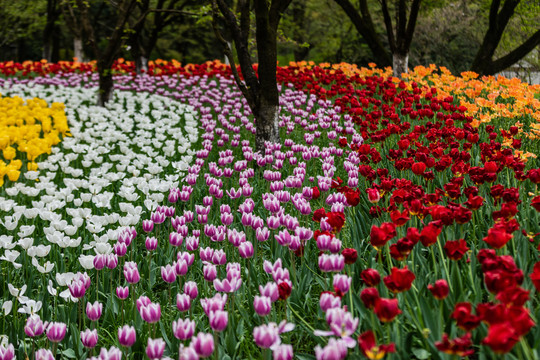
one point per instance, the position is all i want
(407, 191)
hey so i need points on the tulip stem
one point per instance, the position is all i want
(351, 300)
(97, 285)
(293, 267)
(216, 345)
(445, 266)
(149, 266)
(80, 313)
(301, 318)
(170, 296)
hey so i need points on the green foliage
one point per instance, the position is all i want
(21, 24)
(448, 36)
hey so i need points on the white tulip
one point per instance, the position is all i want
(6, 204)
(77, 222)
(18, 293)
(31, 213)
(25, 243)
(13, 191)
(10, 222)
(74, 243)
(6, 242)
(87, 261)
(10, 255)
(70, 230)
(7, 306)
(65, 278)
(66, 295)
(51, 289)
(31, 307)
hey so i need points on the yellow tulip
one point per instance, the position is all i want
(28, 130)
(9, 153)
(13, 175)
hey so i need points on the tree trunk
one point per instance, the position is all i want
(105, 92)
(266, 116)
(47, 50)
(141, 64)
(266, 122)
(49, 30)
(78, 52)
(400, 64)
(227, 62)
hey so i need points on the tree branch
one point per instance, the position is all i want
(413, 17)
(517, 54)
(366, 29)
(228, 53)
(240, 42)
(277, 7)
(388, 25)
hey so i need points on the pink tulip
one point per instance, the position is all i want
(89, 338)
(127, 336)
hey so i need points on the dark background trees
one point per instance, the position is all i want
(458, 34)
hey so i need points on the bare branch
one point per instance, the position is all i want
(228, 53)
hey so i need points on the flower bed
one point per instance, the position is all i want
(394, 219)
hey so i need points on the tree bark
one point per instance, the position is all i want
(400, 64)
(49, 30)
(78, 51)
(106, 90)
(141, 64)
(266, 118)
(266, 122)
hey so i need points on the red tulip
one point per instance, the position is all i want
(319, 214)
(336, 220)
(350, 255)
(400, 218)
(535, 276)
(455, 249)
(369, 347)
(429, 234)
(535, 203)
(501, 338)
(459, 346)
(369, 297)
(464, 317)
(497, 237)
(418, 168)
(373, 195)
(387, 309)
(399, 280)
(439, 290)
(371, 277)
(379, 236)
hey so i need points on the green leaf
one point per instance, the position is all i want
(304, 356)
(69, 353)
(421, 353)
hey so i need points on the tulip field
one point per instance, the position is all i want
(397, 218)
